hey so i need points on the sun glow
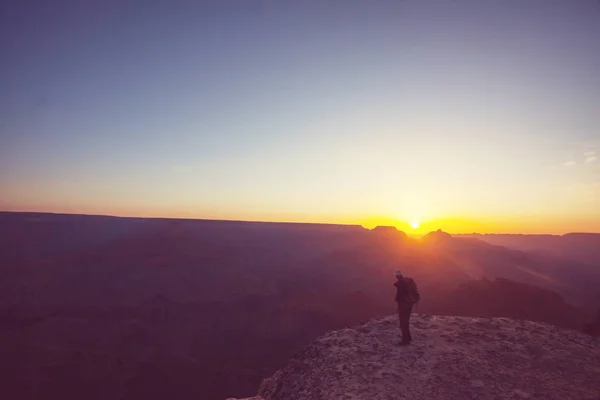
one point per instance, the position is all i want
(415, 224)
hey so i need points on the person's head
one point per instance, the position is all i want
(398, 274)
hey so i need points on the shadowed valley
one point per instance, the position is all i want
(111, 308)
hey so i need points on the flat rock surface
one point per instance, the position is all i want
(450, 358)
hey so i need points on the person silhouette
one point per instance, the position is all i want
(407, 296)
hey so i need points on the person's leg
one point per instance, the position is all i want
(404, 315)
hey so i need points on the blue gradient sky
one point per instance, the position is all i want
(484, 112)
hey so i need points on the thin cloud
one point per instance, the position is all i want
(589, 153)
(569, 163)
(590, 160)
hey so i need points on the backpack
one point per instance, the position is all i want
(413, 292)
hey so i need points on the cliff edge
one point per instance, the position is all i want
(450, 358)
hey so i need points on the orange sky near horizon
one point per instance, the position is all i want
(554, 225)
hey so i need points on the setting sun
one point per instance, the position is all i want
(415, 224)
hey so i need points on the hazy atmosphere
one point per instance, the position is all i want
(299, 199)
(469, 116)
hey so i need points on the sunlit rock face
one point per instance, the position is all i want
(389, 231)
(450, 358)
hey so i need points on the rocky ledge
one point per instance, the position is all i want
(450, 358)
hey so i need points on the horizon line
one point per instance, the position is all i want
(339, 224)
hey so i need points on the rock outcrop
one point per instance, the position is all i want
(450, 358)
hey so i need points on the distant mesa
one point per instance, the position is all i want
(438, 236)
(389, 231)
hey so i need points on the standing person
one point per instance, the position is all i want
(407, 295)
